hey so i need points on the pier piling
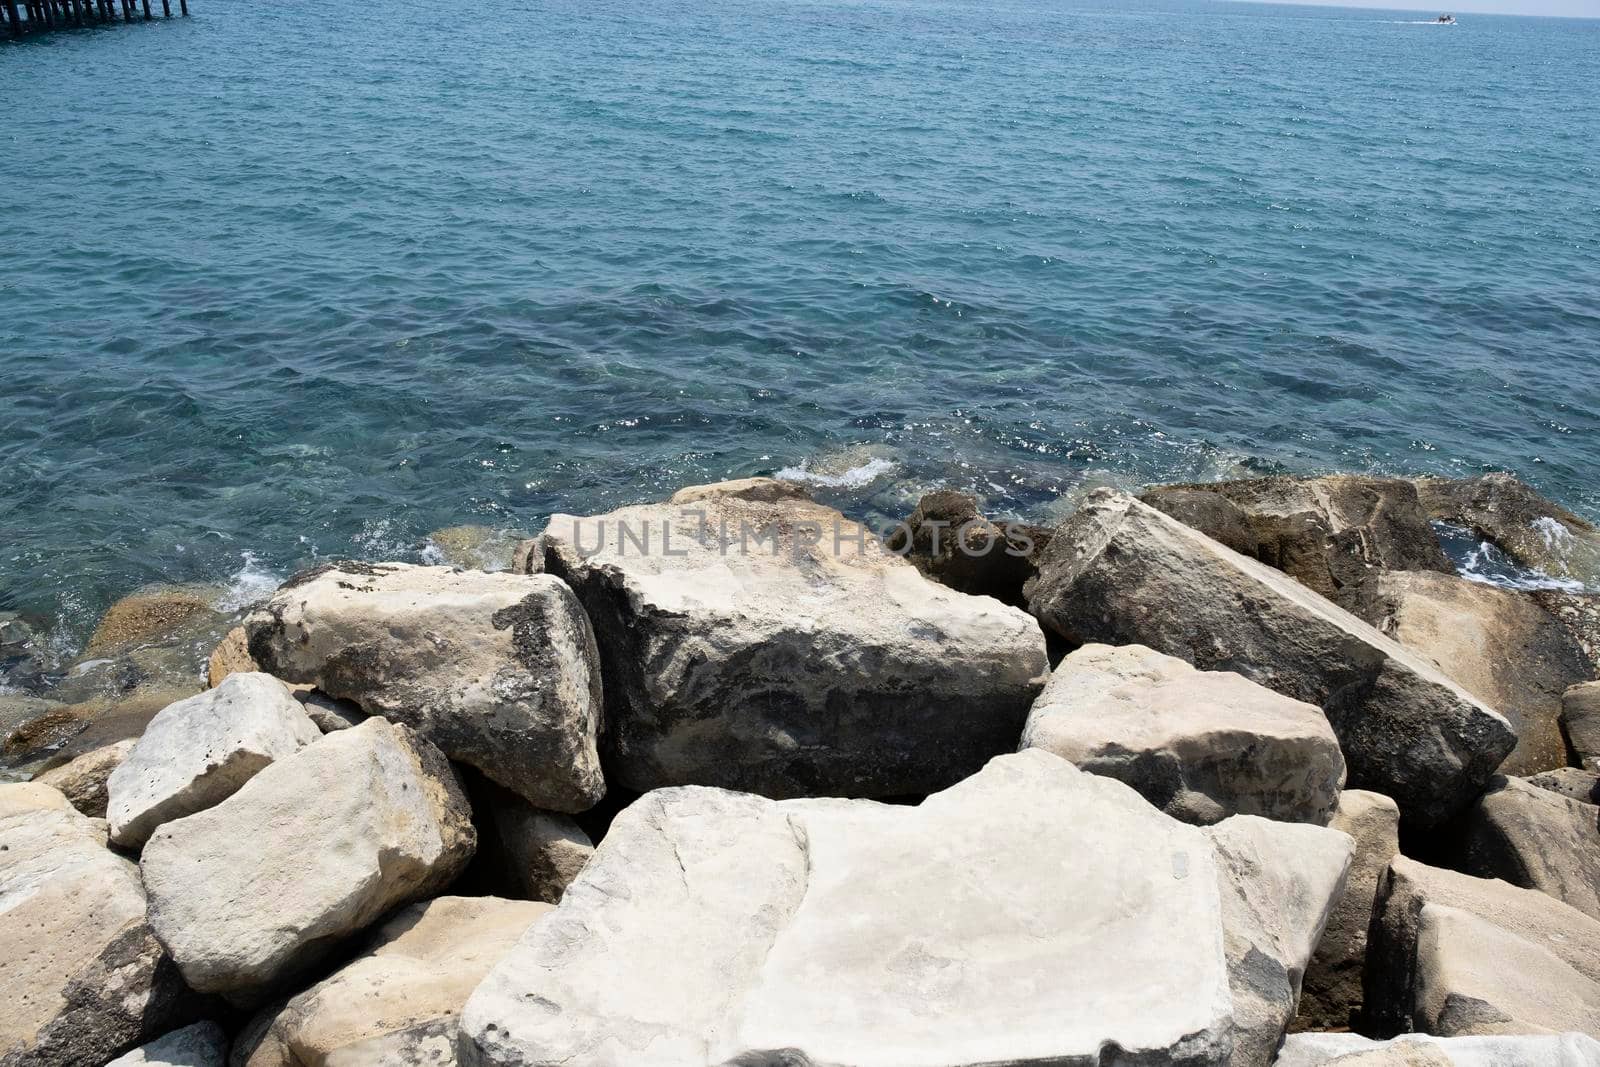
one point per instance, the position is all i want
(19, 17)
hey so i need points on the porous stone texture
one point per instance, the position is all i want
(1331, 994)
(83, 780)
(720, 927)
(200, 751)
(1535, 532)
(1422, 1050)
(1122, 572)
(756, 640)
(1200, 745)
(202, 1045)
(1335, 533)
(151, 613)
(1535, 838)
(84, 977)
(498, 670)
(1580, 721)
(309, 852)
(1571, 782)
(948, 539)
(1451, 954)
(231, 656)
(1499, 645)
(419, 970)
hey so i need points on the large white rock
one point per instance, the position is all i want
(423, 964)
(1031, 914)
(1451, 954)
(199, 751)
(1423, 1050)
(1200, 745)
(1122, 572)
(201, 1045)
(83, 976)
(498, 670)
(310, 851)
(1331, 993)
(755, 640)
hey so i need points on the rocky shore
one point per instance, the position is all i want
(1229, 774)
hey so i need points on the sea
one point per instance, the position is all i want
(289, 282)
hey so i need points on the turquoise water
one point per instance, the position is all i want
(287, 281)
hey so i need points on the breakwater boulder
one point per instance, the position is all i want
(756, 640)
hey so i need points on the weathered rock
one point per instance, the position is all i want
(201, 1045)
(311, 850)
(1422, 1050)
(765, 643)
(83, 780)
(523, 852)
(231, 656)
(528, 556)
(329, 713)
(84, 977)
(1537, 839)
(948, 539)
(1451, 954)
(718, 927)
(1334, 533)
(63, 732)
(422, 965)
(1330, 996)
(1498, 645)
(1570, 782)
(1535, 532)
(17, 710)
(431, 1044)
(200, 751)
(1579, 614)
(22, 659)
(477, 548)
(1580, 720)
(498, 670)
(149, 614)
(1200, 745)
(1122, 572)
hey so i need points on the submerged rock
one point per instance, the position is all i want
(1122, 572)
(477, 548)
(84, 977)
(200, 751)
(1450, 954)
(1499, 645)
(719, 927)
(307, 853)
(756, 640)
(498, 670)
(419, 970)
(1331, 994)
(156, 612)
(1200, 745)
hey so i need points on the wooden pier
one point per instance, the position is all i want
(18, 17)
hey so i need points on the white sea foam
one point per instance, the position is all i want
(851, 478)
(1482, 562)
(250, 584)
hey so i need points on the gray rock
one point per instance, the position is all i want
(1334, 533)
(529, 854)
(1497, 644)
(83, 780)
(1535, 532)
(1451, 954)
(1331, 995)
(1537, 839)
(1422, 1050)
(313, 849)
(201, 1045)
(84, 977)
(497, 670)
(200, 751)
(948, 539)
(401, 994)
(328, 713)
(763, 642)
(1122, 572)
(1580, 720)
(1570, 782)
(1200, 745)
(719, 927)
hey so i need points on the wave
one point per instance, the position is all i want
(856, 477)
